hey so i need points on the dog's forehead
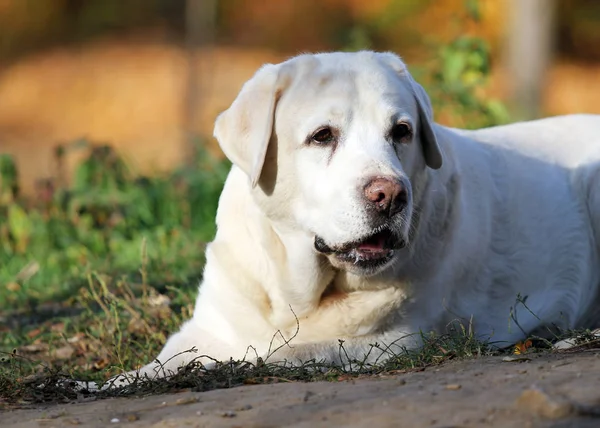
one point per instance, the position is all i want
(333, 71)
(343, 82)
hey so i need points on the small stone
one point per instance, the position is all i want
(132, 417)
(516, 359)
(229, 414)
(539, 403)
(115, 421)
(307, 395)
(453, 386)
(187, 400)
(244, 407)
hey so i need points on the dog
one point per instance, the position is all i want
(349, 214)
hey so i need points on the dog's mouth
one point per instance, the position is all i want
(370, 251)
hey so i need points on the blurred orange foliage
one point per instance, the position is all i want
(132, 95)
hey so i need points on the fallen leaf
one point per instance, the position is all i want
(100, 364)
(188, 400)
(58, 327)
(158, 300)
(345, 377)
(76, 338)
(28, 271)
(453, 386)
(515, 359)
(33, 333)
(63, 353)
(522, 347)
(13, 286)
(137, 326)
(34, 347)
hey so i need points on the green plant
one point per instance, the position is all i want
(99, 224)
(461, 69)
(458, 72)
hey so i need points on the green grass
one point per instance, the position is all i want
(94, 276)
(48, 247)
(122, 327)
(146, 235)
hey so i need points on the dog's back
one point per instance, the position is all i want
(568, 146)
(571, 142)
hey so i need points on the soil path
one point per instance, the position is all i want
(550, 390)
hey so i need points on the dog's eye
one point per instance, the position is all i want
(401, 132)
(323, 136)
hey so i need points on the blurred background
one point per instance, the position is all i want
(107, 108)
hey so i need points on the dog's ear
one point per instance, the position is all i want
(431, 148)
(244, 129)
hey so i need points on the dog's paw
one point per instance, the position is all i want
(378, 301)
(145, 374)
(79, 386)
(124, 379)
(153, 372)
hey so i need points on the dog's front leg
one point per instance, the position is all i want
(190, 344)
(348, 314)
(347, 352)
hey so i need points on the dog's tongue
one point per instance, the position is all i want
(375, 243)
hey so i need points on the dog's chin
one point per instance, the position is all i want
(366, 256)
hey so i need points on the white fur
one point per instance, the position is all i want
(514, 210)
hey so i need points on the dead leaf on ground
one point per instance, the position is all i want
(58, 327)
(515, 359)
(158, 300)
(13, 286)
(77, 338)
(138, 326)
(33, 333)
(522, 347)
(453, 386)
(63, 353)
(101, 363)
(34, 347)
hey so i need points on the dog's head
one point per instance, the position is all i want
(329, 143)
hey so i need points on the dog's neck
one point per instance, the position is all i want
(436, 204)
(280, 264)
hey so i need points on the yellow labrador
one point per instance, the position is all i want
(349, 214)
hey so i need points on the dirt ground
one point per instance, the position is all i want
(550, 390)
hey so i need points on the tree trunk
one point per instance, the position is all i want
(200, 22)
(530, 46)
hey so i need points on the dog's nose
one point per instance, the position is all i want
(386, 195)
